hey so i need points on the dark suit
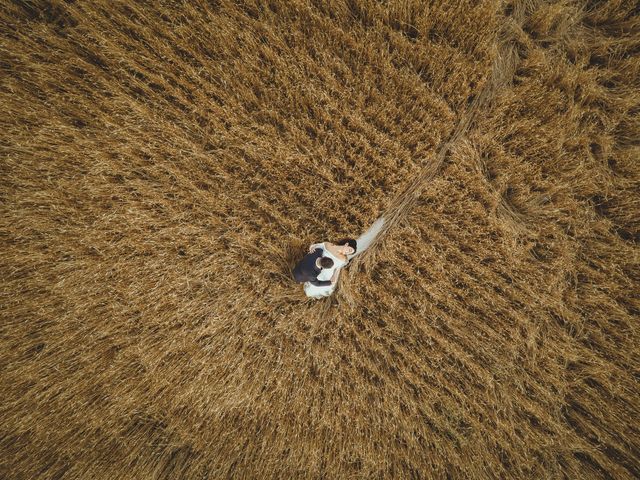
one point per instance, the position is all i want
(306, 270)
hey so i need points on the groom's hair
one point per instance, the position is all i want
(326, 262)
(349, 241)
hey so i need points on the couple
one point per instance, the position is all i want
(320, 268)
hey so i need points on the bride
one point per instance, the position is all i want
(338, 252)
(341, 253)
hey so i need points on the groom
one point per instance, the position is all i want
(308, 269)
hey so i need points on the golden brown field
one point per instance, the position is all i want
(164, 166)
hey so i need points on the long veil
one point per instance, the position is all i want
(368, 237)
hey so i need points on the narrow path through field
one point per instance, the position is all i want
(502, 72)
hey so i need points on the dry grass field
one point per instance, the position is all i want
(165, 164)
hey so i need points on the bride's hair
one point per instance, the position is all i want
(348, 241)
(326, 262)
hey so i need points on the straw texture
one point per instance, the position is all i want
(164, 166)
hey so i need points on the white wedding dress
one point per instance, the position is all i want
(326, 274)
(363, 242)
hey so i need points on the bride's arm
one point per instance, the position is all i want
(326, 274)
(316, 245)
